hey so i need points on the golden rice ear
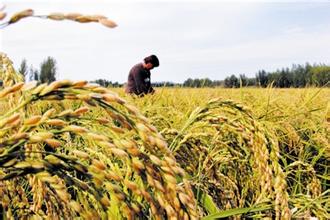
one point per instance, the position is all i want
(89, 18)
(72, 16)
(23, 14)
(84, 19)
(96, 18)
(79, 84)
(56, 16)
(2, 15)
(108, 23)
(30, 85)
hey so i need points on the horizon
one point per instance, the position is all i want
(192, 39)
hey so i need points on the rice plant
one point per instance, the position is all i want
(69, 161)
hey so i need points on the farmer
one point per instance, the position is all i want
(139, 76)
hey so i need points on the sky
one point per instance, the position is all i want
(192, 39)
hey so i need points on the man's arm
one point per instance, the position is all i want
(140, 84)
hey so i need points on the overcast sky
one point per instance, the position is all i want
(193, 39)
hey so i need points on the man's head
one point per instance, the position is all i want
(151, 62)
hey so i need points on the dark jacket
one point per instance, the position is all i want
(139, 80)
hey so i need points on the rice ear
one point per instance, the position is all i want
(56, 16)
(22, 14)
(2, 15)
(108, 23)
(72, 16)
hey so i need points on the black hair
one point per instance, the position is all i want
(152, 59)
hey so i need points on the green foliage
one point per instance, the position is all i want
(48, 70)
(199, 83)
(106, 83)
(232, 81)
(320, 75)
(234, 212)
(23, 69)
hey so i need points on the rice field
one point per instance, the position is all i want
(255, 148)
(75, 150)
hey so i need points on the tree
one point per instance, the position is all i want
(103, 82)
(197, 83)
(206, 83)
(262, 78)
(23, 68)
(243, 80)
(33, 74)
(231, 82)
(188, 82)
(48, 70)
(320, 75)
(251, 82)
(299, 76)
(284, 79)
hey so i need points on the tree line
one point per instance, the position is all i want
(107, 83)
(297, 76)
(46, 74)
